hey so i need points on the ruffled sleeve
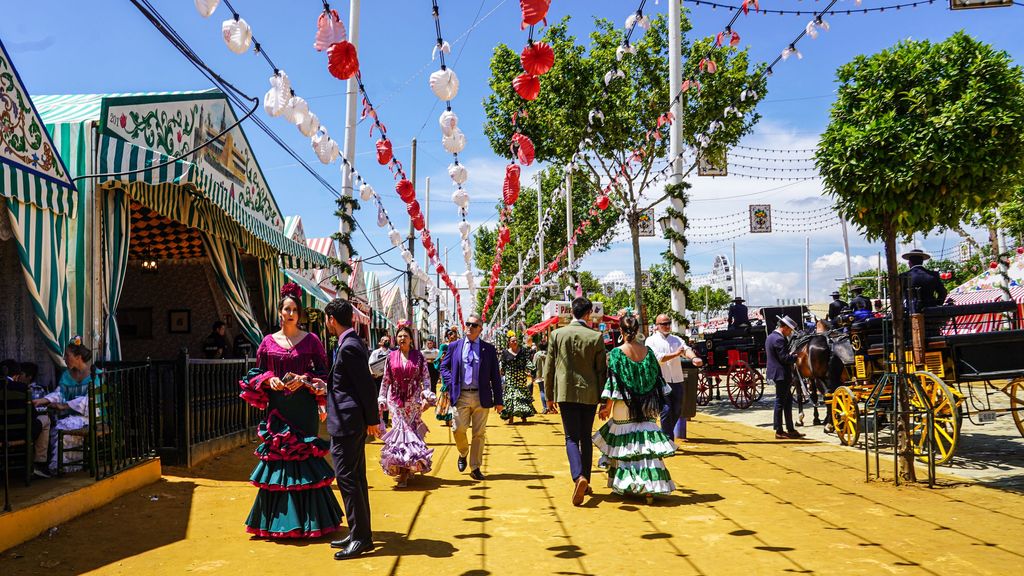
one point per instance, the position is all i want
(254, 383)
(428, 396)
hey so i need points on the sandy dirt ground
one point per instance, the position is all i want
(745, 504)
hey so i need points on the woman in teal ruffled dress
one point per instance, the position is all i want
(632, 441)
(295, 498)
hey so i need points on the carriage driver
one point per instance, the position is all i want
(738, 314)
(923, 287)
(836, 306)
(860, 305)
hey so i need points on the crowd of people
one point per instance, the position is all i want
(384, 393)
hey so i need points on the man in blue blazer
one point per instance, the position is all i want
(351, 416)
(470, 368)
(779, 370)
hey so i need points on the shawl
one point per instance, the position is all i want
(406, 380)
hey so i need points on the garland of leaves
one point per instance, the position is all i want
(346, 206)
(677, 192)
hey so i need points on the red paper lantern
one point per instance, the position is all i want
(342, 60)
(993, 265)
(413, 208)
(1020, 250)
(406, 191)
(946, 275)
(418, 223)
(384, 154)
(510, 190)
(534, 11)
(495, 270)
(536, 280)
(524, 148)
(504, 235)
(527, 86)
(553, 267)
(537, 58)
(602, 201)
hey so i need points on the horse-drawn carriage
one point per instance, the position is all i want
(738, 356)
(947, 357)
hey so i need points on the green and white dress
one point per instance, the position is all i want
(631, 439)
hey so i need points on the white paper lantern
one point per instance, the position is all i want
(464, 228)
(237, 35)
(460, 198)
(448, 121)
(324, 146)
(395, 236)
(407, 256)
(366, 192)
(454, 142)
(276, 99)
(206, 7)
(382, 218)
(309, 125)
(444, 84)
(458, 173)
(296, 110)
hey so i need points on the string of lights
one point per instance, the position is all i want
(890, 7)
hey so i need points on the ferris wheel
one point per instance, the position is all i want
(721, 273)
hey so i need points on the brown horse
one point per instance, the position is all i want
(821, 360)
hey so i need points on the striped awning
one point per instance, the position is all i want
(312, 295)
(31, 169)
(982, 322)
(182, 191)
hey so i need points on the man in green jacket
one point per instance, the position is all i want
(575, 370)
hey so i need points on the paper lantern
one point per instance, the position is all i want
(458, 173)
(993, 265)
(504, 235)
(296, 110)
(324, 146)
(413, 208)
(454, 142)
(206, 7)
(384, 154)
(418, 223)
(382, 218)
(534, 11)
(524, 148)
(237, 35)
(395, 236)
(406, 191)
(460, 198)
(537, 58)
(495, 271)
(342, 60)
(444, 84)
(536, 280)
(407, 256)
(527, 86)
(510, 189)
(309, 125)
(329, 30)
(553, 267)
(276, 99)
(602, 201)
(448, 122)
(366, 192)
(464, 228)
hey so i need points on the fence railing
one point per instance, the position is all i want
(209, 391)
(122, 432)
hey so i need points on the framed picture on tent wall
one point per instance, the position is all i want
(179, 321)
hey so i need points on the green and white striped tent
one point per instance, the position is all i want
(40, 200)
(128, 144)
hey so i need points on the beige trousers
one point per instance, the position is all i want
(469, 413)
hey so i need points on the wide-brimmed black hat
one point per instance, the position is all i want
(738, 299)
(856, 289)
(835, 294)
(917, 253)
(787, 321)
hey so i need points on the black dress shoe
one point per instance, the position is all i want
(462, 463)
(476, 475)
(354, 548)
(341, 543)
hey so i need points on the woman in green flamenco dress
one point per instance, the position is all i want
(295, 499)
(515, 374)
(632, 441)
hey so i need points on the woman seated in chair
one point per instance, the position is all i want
(71, 401)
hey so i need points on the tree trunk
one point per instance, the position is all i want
(638, 286)
(993, 239)
(904, 448)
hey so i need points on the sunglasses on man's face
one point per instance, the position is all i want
(472, 324)
(664, 323)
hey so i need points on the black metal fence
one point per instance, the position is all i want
(209, 393)
(122, 433)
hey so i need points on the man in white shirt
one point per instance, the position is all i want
(670, 349)
(430, 353)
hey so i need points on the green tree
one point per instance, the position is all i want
(622, 147)
(922, 134)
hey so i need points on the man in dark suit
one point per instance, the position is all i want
(860, 305)
(836, 306)
(923, 287)
(470, 368)
(738, 317)
(779, 370)
(351, 417)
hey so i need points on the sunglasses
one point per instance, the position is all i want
(664, 323)
(472, 324)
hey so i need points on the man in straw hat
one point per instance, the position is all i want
(923, 287)
(779, 370)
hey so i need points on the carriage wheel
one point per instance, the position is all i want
(1017, 403)
(845, 415)
(741, 385)
(760, 385)
(703, 389)
(947, 418)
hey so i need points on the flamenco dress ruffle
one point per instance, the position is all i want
(635, 451)
(404, 449)
(295, 499)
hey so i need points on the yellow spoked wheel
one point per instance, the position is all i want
(845, 415)
(945, 404)
(1016, 389)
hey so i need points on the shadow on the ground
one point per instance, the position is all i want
(507, 476)
(684, 497)
(144, 520)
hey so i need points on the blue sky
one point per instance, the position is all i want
(105, 46)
